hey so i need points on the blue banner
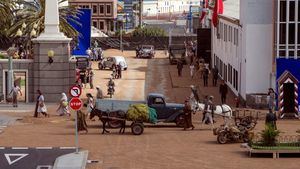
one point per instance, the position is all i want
(84, 39)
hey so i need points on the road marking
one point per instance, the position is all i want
(44, 167)
(64, 148)
(19, 148)
(10, 162)
(44, 148)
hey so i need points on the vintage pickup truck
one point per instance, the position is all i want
(166, 112)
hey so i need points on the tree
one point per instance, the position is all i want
(6, 13)
(33, 15)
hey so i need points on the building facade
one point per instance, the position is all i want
(242, 48)
(287, 54)
(104, 12)
(156, 7)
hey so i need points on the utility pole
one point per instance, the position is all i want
(141, 13)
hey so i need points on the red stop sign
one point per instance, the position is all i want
(75, 103)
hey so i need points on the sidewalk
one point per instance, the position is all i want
(185, 81)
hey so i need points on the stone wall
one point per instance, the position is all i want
(18, 64)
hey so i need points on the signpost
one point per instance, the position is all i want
(75, 104)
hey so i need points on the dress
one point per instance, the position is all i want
(63, 106)
(41, 106)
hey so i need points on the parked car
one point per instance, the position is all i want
(166, 112)
(108, 62)
(145, 51)
(177, 52)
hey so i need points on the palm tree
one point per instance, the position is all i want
(6, 13)
(33, 15)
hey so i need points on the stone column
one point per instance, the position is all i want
(52, 78)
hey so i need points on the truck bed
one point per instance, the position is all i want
(112, 105)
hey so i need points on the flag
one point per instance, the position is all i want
(204, 9)
(218, 9)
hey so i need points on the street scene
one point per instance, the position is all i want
(149, 84)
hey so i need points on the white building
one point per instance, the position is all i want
(155, 7)
(242, 46)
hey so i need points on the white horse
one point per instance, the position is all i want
(221, 110)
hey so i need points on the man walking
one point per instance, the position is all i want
(215, 72)
(271, 119)
(187, 110)
(15, 91)
(209, 112)
(119, 71)
(205, 76)
(223, 91)
(179, 67)
(91, 74)
(99, 93)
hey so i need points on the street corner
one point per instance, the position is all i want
(31, 157)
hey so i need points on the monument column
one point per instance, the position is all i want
(56, 77)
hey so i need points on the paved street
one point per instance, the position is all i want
(159, 147)
(30, 158)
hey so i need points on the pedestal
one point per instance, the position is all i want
(53, 78)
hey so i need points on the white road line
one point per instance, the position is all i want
(19, 148)
(44, 148)
(63, 148)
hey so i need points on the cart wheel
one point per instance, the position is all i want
(137, 128)
(222, 137)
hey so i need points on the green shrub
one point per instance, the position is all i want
(149, 31)
(2, 56)
(269, 135)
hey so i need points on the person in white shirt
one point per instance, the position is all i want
(192, 70)
(15, 91)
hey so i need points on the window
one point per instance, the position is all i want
(282, 11)
(95, 9)
(225, 33)
(158, 101)
(95, 24)
(101, 25)
(292, 33)
(108, 9)
(292, 11)
(101, 10)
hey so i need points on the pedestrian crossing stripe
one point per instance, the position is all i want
(10, 162)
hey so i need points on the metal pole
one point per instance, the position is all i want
(190, 18)
(121, 43)
(76, 133)
(10, 74)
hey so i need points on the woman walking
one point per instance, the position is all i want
(63, 108)
(40, 105)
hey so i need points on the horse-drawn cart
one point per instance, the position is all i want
(116, 114)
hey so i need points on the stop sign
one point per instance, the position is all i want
(75, 103)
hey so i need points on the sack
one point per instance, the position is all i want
(65, 104)
(42, 104)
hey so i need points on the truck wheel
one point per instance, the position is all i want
(180, 120)
(137, 128)
(222, 138)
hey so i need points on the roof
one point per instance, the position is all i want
(155, 95)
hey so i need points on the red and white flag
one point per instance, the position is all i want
(204, 10)
(218, 9)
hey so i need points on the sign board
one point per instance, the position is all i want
(75, 103)
(75, 91)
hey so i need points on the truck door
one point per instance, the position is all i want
(159, 105)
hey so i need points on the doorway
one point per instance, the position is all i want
(21, 80)
(289, 98)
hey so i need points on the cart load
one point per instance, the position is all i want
(141, 112)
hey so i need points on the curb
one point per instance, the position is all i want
(72, 161)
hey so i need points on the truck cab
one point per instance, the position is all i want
(167, 112)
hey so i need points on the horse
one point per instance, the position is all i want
(104, 117)
(221, 110)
